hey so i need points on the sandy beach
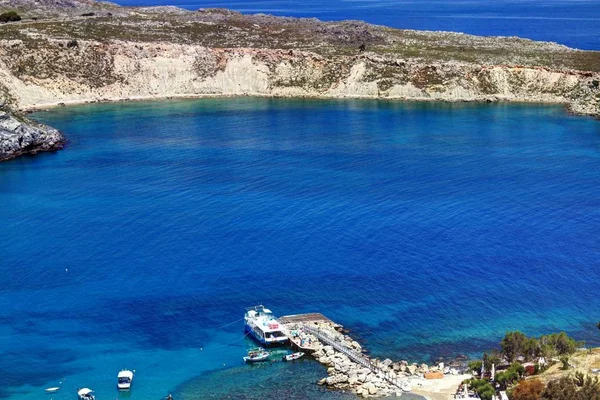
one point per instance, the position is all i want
(440, 389)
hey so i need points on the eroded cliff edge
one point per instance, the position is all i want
(109, 53)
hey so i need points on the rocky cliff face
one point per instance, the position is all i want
(52, 72)
(20, 136)
(112, 53)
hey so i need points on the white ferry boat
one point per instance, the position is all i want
(263, 327)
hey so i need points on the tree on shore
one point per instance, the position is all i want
(565, 362)
(578, 387)
(510, 376)
(515, 344)
(483, 388)
(489, 359)
(562, 343)
(475, 365)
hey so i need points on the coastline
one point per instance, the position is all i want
(53, 140)
(132, 99)
(157, 72)
(220, 53)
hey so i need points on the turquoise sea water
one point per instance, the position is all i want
(426, 229)
(575, 23)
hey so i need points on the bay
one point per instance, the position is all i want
(427, 229)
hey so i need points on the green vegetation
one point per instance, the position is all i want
(516, 345)
(491, 359)
(578, 387)
(482, 387)
(510, 376)
(10, 16)
(475, 365)
(565, 362)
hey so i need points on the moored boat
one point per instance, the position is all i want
(262, 326)
(257, 355)
(86, 394)
(124, 379)
(52, 389)
(293, 356)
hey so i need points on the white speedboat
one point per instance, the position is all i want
(257, 355)
(124, 379)
(293, 356)
(52, 389)
(264, 327)
(86, 394)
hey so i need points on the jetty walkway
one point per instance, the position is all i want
(353, 355)
(293, 323)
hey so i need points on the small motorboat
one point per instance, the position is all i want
(86, 394)
(52, 389)
(124, 379)
(293, 356)
(257, 355)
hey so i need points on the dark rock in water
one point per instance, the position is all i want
(19, 135)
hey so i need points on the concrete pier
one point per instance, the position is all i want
(294, 328)
(310, 318)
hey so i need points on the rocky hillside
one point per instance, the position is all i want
(82, 50)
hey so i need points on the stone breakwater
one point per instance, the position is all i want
(376, 378)
(20, 136)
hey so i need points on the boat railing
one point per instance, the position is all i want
(354, 355)
(257, 308)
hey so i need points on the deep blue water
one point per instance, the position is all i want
(426, 229)
(575, 23)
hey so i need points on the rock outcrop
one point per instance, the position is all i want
(19, 136)
(381, 378)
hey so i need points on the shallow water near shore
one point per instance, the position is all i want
(426, 229)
